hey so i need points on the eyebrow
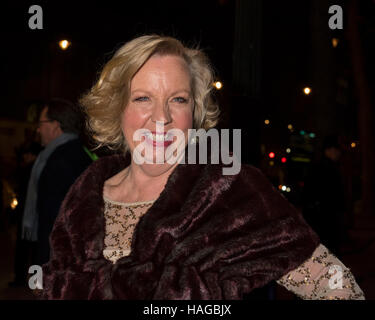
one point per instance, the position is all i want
(149, 93)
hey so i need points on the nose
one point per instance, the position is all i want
(161, 113)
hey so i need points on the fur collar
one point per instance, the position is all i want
(207, 236)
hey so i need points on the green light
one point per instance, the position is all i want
(312, 135)
(302, 133)
(300, 159)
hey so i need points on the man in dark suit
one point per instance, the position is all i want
(54, 171)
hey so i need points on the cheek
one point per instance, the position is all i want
(184, 120)
(131, 120)
(47, 130)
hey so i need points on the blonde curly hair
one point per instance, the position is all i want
(106, 100)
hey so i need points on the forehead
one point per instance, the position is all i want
(169, 70)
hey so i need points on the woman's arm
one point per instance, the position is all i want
(322, 277)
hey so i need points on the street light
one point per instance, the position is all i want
(218, 85)
(307, 91)
(14, 203)
(335, 42)
(64, 44)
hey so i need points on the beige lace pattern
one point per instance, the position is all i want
(322, 277)
(121, 219)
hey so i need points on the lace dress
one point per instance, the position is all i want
(321, 277)
(121, 219)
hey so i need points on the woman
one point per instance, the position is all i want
(144, 230)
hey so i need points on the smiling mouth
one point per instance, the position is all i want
(158, 139)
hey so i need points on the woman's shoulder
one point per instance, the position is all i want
(108, 162)
(254, 173)
(249, 182)
(92, 180)
(244, 171)
(105, 167)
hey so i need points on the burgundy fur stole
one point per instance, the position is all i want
(208, 236)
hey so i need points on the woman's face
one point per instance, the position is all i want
(160, 99)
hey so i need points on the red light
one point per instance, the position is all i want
(283, 159)
(271, 155)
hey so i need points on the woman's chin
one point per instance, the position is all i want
(157, 161)
(157, 169)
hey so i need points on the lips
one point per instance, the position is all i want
(159, 139)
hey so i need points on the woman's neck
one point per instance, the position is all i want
(138, 183)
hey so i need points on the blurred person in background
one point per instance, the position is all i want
(324, 196)
(55, 170)
(25, 250)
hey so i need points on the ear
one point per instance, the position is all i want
(57, 127)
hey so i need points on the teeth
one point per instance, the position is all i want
(157, 137)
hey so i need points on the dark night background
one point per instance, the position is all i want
(264, 53)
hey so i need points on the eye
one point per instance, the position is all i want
(140, 99)
(180, 100)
